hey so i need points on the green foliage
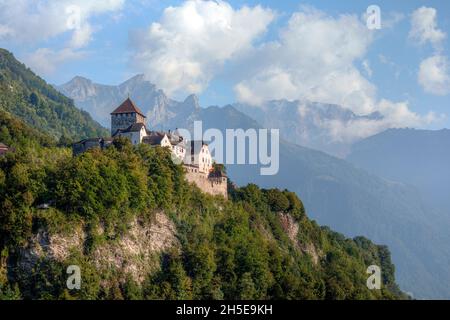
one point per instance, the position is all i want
(30, 98)
(239, 248)
(15, 132)
(277, 200)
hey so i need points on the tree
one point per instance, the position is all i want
(247, 289)
(65, 141)
(34, 99)
(277, 201)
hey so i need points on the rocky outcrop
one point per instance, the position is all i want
(135, 254)
(44, 245)
(291, 227)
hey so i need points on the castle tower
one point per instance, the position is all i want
(126, 115)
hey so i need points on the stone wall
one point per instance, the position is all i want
(212, 185)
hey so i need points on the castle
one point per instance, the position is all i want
(129, 121)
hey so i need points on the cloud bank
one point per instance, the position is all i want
(39, 21)
(314, 56)
(434, 72)
(186, 48)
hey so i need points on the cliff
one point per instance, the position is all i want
(127, 217)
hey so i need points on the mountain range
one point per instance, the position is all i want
(335, 192)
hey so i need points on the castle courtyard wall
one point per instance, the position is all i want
(212, 185)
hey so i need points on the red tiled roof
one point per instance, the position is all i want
(128, 106)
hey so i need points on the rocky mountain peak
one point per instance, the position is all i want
(192, 101)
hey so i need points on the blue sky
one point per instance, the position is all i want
(403, 74)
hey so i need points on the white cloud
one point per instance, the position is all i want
(315, 58)
(434, 72)
(434, 75)
(35, 21)
(32, 22)
(424, 27)
(394, 115)
(188, 46)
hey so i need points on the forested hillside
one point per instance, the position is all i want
(27, 96)
(138, 230)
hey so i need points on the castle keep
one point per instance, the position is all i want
(128, 121)
(126, 115)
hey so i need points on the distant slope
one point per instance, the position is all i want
(417, 157)
(30, 98)
(14, 132)
(354, 202)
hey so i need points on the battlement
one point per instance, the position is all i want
(207, 182)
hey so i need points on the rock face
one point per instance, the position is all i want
(291, 227)
(135, 254)
(44, 245)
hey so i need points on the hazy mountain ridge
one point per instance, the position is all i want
(307, 123)
(99, 99)
(420, 158)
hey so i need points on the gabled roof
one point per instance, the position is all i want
(154, 138)
(135, 127)
(3, 146)
(128, 106)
